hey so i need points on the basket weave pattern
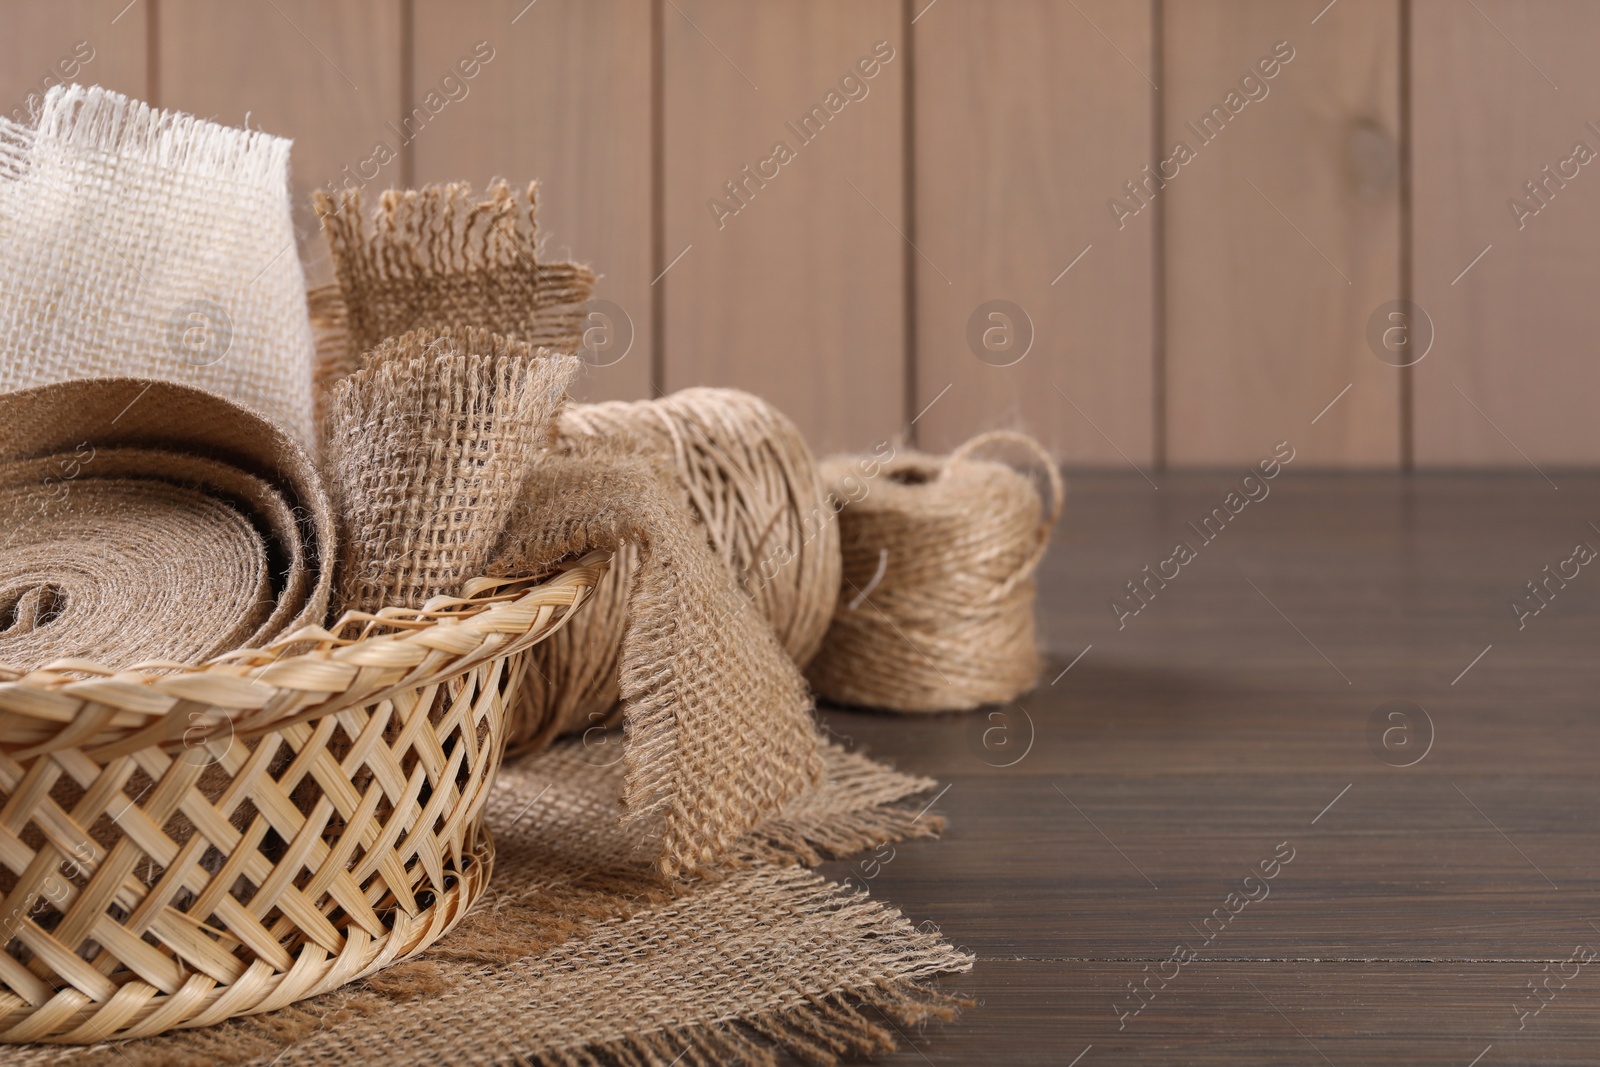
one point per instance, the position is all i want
(185, 845)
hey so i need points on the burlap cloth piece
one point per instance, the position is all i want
(438, 257)
(151, 521)
(718, 718)
(758, 501)
(155, 245)
(722, 759)
(427, 448)
(579, 956)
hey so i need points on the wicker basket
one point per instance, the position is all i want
(181, 845)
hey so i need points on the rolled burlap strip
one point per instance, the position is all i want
(936, 610)
(149, 521)
(151, 244)
(427, 448)
(753, 485)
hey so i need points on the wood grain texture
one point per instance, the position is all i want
(1228, 1013)
(798, 297)
(566, 100)
(92, 42)
(1027, 121)
(1282, 232)
(327, 75)
(1515, 333)
(1184, 747)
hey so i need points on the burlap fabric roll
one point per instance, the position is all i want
(155, 245)
(150, 521)
(428, 446)
(936, 610)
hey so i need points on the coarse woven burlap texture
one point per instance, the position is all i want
(754, 490)
(150, 521)
(439, 257)
(578, 955)
(939, 553)
(145, 243)
(427, 448)
(718, 719)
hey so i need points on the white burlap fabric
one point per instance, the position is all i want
(144, 243)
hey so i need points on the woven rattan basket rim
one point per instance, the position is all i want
(363, 658)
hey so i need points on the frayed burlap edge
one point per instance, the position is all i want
(439, 256)
(718, 718)
(825, 1030)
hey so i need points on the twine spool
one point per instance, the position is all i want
(145, 521)
(936, 609)
(754, 486)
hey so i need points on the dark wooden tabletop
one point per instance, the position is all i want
(1341, 677)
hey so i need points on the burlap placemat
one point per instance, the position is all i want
(147, 521)
(579, 956)
(151, 244)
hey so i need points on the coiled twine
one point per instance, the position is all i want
(755, 488)
(939, 554)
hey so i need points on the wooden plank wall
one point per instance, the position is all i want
(1283, 232)
(1019, 219)
(1506, 90)
(1030, 114)
(792, 284)
(565, 99)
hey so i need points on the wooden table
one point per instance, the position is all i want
(1428, 909)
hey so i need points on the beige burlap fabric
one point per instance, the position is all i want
(754, 488)
(155, 245)
(437, 257)
(718, 718)
(145, 520)
(936, 612)
(578, 956)
(427, 448)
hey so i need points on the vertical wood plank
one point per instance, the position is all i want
(92, 42)
(1512, 377)
(1283, 232)
(795, 289)
(327, 75)
(1029, 116)
(565, 99)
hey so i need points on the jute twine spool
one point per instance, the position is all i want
(936, 609)
(754, 486)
